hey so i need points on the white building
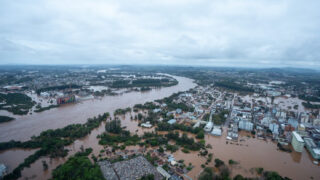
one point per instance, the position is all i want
(312, 148)
(146, 125)
(3, 170)
(172, 121)
(216, 131)
(266, 121)
(163, 172)
(273, 93)
(304, 117)
(208, 126)
(274, 128)
(246, 125)
(44, 94)
(297, 142)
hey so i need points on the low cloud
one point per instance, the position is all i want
(246, 33)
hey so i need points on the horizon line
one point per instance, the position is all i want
(172, 65)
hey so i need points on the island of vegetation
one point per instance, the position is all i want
(16, 103)
(78, 166)
(5, 119)
(51, 142)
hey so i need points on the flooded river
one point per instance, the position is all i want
(250, 152)
(26, 126)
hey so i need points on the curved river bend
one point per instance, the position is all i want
(24, 127)
(250, 153)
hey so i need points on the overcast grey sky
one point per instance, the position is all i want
(245, 33)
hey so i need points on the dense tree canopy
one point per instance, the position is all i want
(78, 167)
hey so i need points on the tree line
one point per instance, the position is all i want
(51, 142)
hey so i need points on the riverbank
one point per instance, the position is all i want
(76, 113)
(249, 152)
(26, 126)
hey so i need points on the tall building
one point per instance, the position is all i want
(246, 125)
(297, 142)
(208, 126)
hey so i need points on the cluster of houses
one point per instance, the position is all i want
(134, 164)
(255, 115)
(301, 129)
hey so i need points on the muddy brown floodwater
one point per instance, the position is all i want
(249, 152)
(26, 126)
(253, 153)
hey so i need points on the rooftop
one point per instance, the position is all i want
(298, 137)
(172, 121)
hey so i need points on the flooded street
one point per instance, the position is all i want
(13, 157)
(282, 102)
(183, 90)
(35, 171)
(26, 126)
(253, 153)
(249, 152)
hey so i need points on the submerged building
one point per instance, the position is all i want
(312, 148)
(66, 99)
(146, 125)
